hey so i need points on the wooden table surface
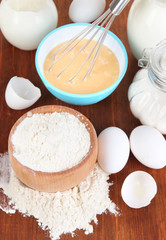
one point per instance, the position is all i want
(144, 224)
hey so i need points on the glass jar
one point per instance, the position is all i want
(146, 25)
(147, 93)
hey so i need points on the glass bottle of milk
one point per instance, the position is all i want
(146, 25)
(147, 92)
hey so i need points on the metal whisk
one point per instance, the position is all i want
(106, 19)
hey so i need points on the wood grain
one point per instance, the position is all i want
(144, 224)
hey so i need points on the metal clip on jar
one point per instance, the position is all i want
(147, 93)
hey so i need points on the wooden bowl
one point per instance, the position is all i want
(55, 181)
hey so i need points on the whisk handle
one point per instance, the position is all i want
(117, 6)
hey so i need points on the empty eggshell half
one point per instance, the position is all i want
(148, 145)
(113, 149)
(86, 10)
(21, 93)
(138, 189)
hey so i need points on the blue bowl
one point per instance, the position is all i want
(64, 33)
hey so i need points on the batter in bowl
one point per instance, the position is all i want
(103, 75)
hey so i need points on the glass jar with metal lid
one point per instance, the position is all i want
(147, 92)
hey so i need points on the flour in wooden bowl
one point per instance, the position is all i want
(61, 212)
(52, 148)
(51, 142)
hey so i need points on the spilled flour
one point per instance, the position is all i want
(61, 212)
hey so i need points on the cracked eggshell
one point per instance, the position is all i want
(148, 145)
(21, 93)
(86, 10)
(113, 149)
(138, 189)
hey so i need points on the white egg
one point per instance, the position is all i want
(21, 93)
(24, 23)
(86, 10)
(149, 146)
(113, 149)
(138, 189)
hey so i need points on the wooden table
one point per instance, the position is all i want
(144, 224)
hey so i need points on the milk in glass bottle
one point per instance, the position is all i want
(146, 24)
